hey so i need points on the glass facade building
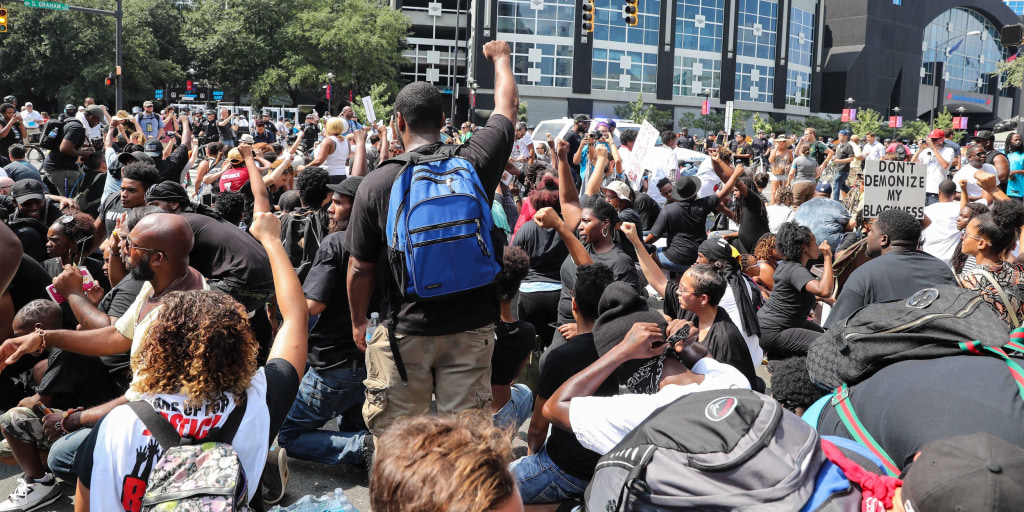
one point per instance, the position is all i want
(1016, 5)
(967, 46)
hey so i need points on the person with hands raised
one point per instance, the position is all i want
(785, 330)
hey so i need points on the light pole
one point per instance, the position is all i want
(330, 92)
(849, 106)
(935, 92)
(960, 110)
(896, 111)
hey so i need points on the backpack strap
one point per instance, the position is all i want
(1016, 340)
(1002, 294)
(844, 407)
(168, 437)
(975, 347)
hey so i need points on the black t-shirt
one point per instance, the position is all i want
(513, 342)
(330, 337)
(684, 223)
(310, 132)
(209, 130)
(685, 142)
(616, 259)
(843, 150)
(892, 276)
(546, 250)
(110, 210)
(753, 220)
(488, 150)
(725, 342)
(559, 365)
(648, 209)
(789, 304)
(574, 139)
(29, 283)
(115, 303)
(282, 386)
(172, 167)
(95, 267)
(13, 137)
(224, 252)
(55, 160)
(225, 133)
(911, 403)
(672, 307)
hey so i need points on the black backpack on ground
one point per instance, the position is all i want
(928, 325)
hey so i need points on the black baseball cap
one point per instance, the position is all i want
(977, 472)
(582, 118)
(135, 156)
(348, 186)
(27, 189)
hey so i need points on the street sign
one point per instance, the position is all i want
(728, 116)
(159, 94)
(218, 95)
(56, 6)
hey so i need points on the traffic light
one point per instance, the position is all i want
(588, 15)
(3, 19)
(110, 80)
(629, 12)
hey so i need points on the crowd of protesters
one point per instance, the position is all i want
(239, 276)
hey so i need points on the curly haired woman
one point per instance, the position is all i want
(197, 366)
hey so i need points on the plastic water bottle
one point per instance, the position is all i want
(372, 327)
(334, 502)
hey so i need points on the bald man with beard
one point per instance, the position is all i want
(157, 250)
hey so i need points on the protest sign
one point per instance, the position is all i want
(890, 184)
(371, 116)
(645, 140)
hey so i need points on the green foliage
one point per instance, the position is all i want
(764, 125)
(381, 95)
(1013, 72)
(638, 111)
(522, 112)
(869, 120)
(944, 121)
(697, 123)
(913, 130)
(739, 119)
(268, 48)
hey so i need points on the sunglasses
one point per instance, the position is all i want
(131, 245)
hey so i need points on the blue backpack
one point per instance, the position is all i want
(439, 229)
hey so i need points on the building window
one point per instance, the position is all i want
(540, 36)
(542, 64)
(620, 70)
(757, 28)
(555, 18)
(693, 76)
(755, 82)
(699, 25)
(609, 26)
(801, 47)
(968, 59)
(1017, 6)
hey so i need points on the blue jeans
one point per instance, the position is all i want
(62, 454)
(514, 413)
(323, 395)
(839, 185)
(541, 481)
(668, 264)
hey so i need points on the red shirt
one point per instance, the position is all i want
(233, 179)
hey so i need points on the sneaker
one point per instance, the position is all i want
(31, 495)
(275, 475)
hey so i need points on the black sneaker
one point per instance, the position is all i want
(275, 475)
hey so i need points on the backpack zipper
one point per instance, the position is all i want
(437, 181)
(444, 225)
(446, 239)
(927, 318)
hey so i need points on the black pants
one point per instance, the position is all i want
(541, 310)
(792, 342)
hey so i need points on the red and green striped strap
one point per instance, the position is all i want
(844, 406)
(1016, 371)
(1016, 340)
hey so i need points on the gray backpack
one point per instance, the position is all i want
(725, 450)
